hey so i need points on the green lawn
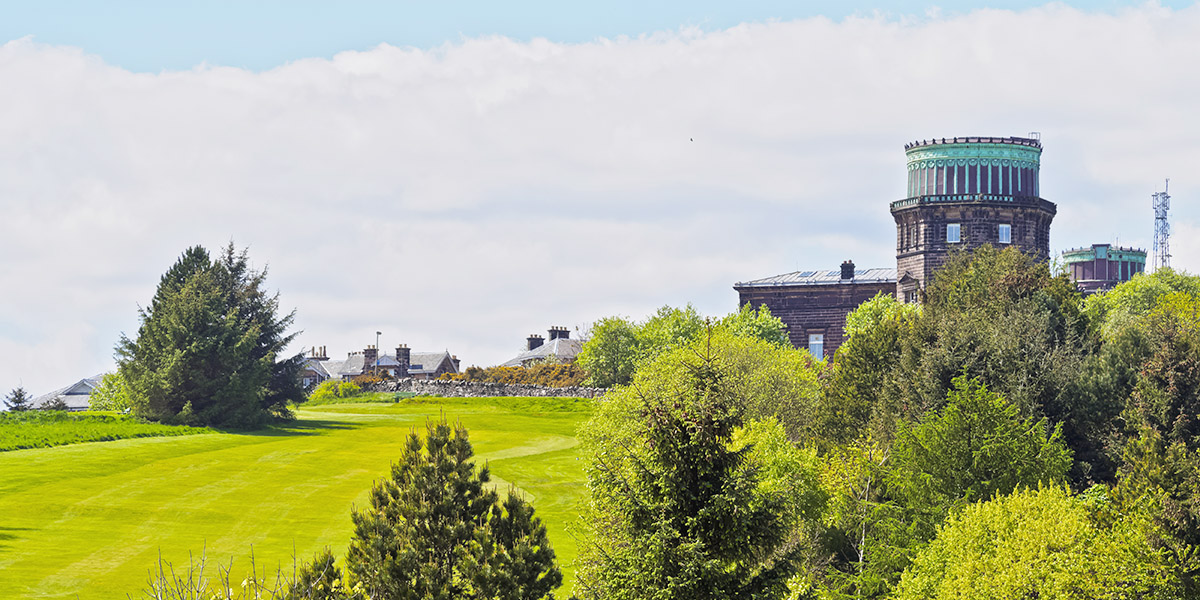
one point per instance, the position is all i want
(38, 429)
(88, 520)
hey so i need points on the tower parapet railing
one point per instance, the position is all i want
(962, 198)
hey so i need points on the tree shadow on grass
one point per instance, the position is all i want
(7, 535)
(296, 428)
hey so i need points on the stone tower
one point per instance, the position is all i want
(965, 192)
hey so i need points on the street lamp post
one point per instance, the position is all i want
(377, 334)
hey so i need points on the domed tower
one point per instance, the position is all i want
(965, 192)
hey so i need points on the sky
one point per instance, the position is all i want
(460, 176)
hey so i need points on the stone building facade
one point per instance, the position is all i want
(1102, 266)
(814, 304)
(965, 192)
(962, 193)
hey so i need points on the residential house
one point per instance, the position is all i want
(560, 348)
(75, 396)
(403, 364)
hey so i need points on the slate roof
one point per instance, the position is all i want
(75, 395)
(561, 348)
(419, 363)
(830, 277)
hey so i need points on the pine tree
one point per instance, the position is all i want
(674, 510)
(432, 530)
(18, 400)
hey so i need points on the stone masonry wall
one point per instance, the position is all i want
(809, 309)
(478, 389)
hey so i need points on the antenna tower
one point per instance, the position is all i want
(1162, 229)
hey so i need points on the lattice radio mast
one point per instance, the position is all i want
(1162, 229)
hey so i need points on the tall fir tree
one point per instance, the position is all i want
(208, 347)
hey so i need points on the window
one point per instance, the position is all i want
(912, 296)
(1006, 234)
(952, 233)
(816, 345)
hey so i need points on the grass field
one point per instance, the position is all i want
(88, 520)
(38, 429)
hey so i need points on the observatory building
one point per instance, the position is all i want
(965, 192)
(1102, 266)
(961, 193)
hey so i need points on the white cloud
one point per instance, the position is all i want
(466, 196)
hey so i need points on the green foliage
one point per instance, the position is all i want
(55, 404)
(687, 502)
(332, 390)
(617, 346)
(758, 324)
(996, 315)
(610, 354)
(43, 429)
(975, 447)
(549, 374)
(886, 502)
(865, 389)
(111, 394)
(18, 400)
(320, 579)
(432, 530)
(1121, 306)
(770, 381)
(206, 351)
(854, 556)
(1036, 544)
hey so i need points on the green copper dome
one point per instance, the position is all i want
(973, 168)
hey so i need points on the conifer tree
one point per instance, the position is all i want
(676, 509)
(208, 348)
(433, 531)
(18, 399)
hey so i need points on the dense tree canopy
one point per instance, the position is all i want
(618, 346)
(689, 500)
(928, 433)
(209, 348)
(1037, 543)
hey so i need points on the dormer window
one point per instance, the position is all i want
(952, 233)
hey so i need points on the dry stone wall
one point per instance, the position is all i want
(478, 389)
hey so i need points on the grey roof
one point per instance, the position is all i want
(822, 278)
(75, 395)
(561, 349)
(317, 366)
(420, 363)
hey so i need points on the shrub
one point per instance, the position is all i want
(333, 389)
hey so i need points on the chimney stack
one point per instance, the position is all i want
(404, 357)
(847, 270)
(370, 355)
(454, 359)
(533, 342)
(559, 333)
